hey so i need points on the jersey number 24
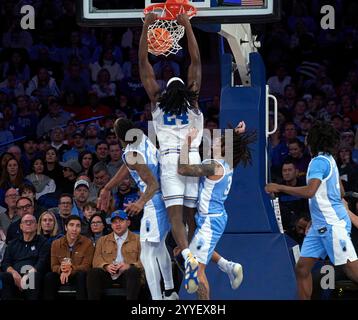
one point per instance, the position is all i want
(171, 120)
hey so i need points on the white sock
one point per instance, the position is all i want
(185, 253)
(222, 263)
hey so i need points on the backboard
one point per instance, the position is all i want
(130, 12)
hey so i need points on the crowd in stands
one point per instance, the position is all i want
(54, 161)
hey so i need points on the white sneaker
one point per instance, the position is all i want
(173, 296)
(235, 273)
(191, 282)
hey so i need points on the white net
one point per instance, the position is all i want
(163, 37)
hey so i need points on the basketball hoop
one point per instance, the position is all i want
(164, 34)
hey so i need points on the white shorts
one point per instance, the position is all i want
(154, 224)
(209, 229)
(331, 240)
(178, 189)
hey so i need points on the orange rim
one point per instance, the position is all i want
(171, 10)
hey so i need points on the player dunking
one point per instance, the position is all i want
(329, 233)
(214, 187)
(140, 158)
(175, 111)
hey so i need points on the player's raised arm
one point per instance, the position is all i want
(194, 170)
(194, 71)
(146, 72)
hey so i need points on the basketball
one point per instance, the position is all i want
(159, 40)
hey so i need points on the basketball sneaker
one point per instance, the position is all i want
(235, 273)
(173, 296)
(191, 274)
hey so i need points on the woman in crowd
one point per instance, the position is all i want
(98, 228)
(47, 226)
(52, 167)
(103, 86)
(4, 158)
(86, 161)
(42, 183)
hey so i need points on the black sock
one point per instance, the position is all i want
(168, 292)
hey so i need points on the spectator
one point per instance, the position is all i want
(89, 209)
(6, 136)
(116, 260)
(4, 158)
(71, 258)
(52, 166)
(10, 215)
(132, 59)
(103, 87)
(95, 108)
(86, 161)
(12, 177)
(44, 84)
(63, 211)
(107, 61)
(337, 122)
(296, 150)
(24, 124)
(97, 228)
(278, 82)
(348, 169)
(21, 258)
(16, 37)
(347, 138)
(91, 134)
(81, 195)
(71, 170)
(24, 206)
(42, 183)
(102, 151)
(57, 136)
(47, 227)
(101, 178)
(79, 145)
(55, 117)
(291, 207)
(76, 49)
(12, 85)
(29, 154)
(127, 193)
(27, 190)
(108, 43)
(109, 135)
(17, 66)
(115, 162)
(76, 85)
(305, 126)
(15, 151)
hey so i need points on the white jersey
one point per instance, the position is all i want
(171, 130)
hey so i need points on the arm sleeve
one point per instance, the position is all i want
(319, 169)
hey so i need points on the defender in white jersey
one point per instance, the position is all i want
(140, 158)
(214, 187)
(329, 233)
(174, 112)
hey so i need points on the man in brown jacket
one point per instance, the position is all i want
(116, 260)
(71, 258)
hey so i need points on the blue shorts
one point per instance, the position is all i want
(332, 240)
(209, 229)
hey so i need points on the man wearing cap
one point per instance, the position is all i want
(80, 197)
(30, 153)
(71, 169)
(116, 260)
(79, 145)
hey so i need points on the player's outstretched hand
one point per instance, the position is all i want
(241, 127)
(150, 18)
(103, 200)
(134, 208)
(272, 188)
(183, 19)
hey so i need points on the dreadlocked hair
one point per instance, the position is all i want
(122, 127)
(323, 137)
(177, 98)
(240, 147)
